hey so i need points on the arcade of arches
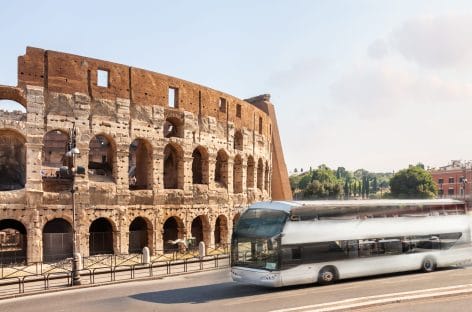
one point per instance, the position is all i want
(155, 166)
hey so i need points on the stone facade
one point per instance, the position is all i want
(164, 158)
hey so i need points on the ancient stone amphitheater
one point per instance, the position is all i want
(160, 159)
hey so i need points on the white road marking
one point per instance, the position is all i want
(382, 299)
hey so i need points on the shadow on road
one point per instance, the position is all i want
(202, 294)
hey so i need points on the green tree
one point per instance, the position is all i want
(414, 182)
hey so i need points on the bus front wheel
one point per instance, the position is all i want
(428, 265)
(327, 275)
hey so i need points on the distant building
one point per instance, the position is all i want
(453, 180)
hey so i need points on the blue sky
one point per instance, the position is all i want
(361, 84)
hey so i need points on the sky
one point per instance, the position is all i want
(371, 84)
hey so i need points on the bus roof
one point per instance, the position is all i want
(348, 207)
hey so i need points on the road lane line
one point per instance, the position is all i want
(385, 298)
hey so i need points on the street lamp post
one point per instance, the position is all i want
(72, 154)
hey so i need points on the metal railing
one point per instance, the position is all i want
(39, 276)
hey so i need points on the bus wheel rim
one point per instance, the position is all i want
(327, 276)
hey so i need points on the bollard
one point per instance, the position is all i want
(146, 256)
(80, 263)
(201, 249)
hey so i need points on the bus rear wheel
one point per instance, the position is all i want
(327, 275)
(428, 265)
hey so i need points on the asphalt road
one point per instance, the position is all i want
(214, 291)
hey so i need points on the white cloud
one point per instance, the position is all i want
(435, 42)
(378, 49)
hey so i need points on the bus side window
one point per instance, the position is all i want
(291, 253)
(353, 248)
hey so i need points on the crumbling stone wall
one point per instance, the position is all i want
(133, 105)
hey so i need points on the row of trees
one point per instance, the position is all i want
(326, 183)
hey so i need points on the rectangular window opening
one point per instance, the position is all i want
(238, 110)
(222, 105)
(173, 97)
(260, 125)
(102, 78)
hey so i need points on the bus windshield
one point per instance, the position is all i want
(259, 223)
(256, 239)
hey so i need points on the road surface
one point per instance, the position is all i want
(214, 291)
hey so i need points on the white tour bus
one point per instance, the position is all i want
(287, 243)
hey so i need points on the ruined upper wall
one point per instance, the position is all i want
(66, 73)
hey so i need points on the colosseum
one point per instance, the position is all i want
(141, 157)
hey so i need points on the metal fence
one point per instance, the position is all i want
(37, 277)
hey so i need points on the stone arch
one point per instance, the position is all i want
(238, 174)
(173, 127)
(101, 237)
(200, 230)
(57, 240)
(12, 160)
(250, 172)
(260, 172)
(173, 167)
(140, 235)
(238, 140)
(173, 229)
(140, 165)
(200, 165)
(221, 169)
(55, 143)
(102, 163)
(13, 94)
(221, 231)
(236, 219)
(13, 241)
(266, 176)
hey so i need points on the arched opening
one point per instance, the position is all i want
(54, 149)
(138, 235)
(200, 166)
(173, 230)
(221, 231)
(13, 110)
(266, 177)
(12, 242)
(12, 160)
(238, 175)
(57, 240)
(173, 127)
(238, 141)
(140, 165)
(250, 172)
(101, 237)
(260, 171)
(101, 159)
(200, 229)
(173, 167)
(221, 169)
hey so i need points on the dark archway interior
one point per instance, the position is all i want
(12, 161)
(140, 164)
(57, 240)
(197, 230)
(138, 232)
(197, 176)
(171, 232)
(101, 237)
(221, 231)
(101, 158)
(250, 173)
(12, 242)
(171, 168)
